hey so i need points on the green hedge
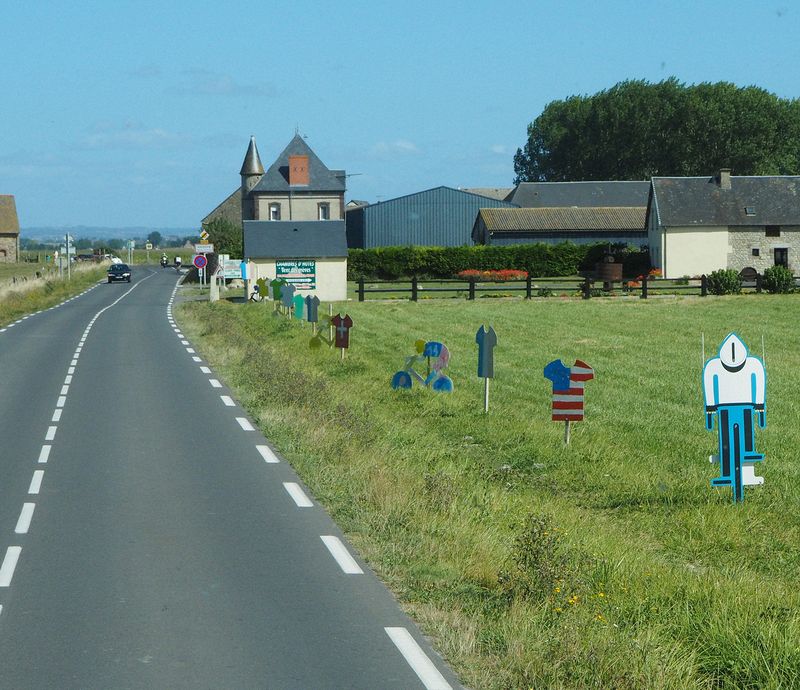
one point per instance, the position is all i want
(390, 263)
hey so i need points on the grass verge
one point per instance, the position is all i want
(608, 563)
(43, 293)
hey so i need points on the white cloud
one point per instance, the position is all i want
(201, 82)
(131, 135)
(398, 147)
(500, 149)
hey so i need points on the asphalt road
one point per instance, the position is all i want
(151, 538)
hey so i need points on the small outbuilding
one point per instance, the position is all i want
(9, 230)
(312, 255)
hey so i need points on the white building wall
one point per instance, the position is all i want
(299, 206)
(331, 276)
(693, 251)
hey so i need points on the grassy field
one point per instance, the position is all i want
(608, 563)
(32, 295)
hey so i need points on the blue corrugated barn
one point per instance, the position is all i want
(440, 217)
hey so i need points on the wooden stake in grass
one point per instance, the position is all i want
(486, 343)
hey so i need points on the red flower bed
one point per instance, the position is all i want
(492, 276)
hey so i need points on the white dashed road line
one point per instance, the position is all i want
(24, 522)
(205, 370)
(51, 433)
(36, 482)
(267, 454)
(342, 556)
(44, 455)
(297, 494)
(214, 383)
(9, 565)
(417, 659)
(227, 400)
(245, 424)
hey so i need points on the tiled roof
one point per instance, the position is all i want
(499, 193)
(9, 223)
(588, 193)
(700, 201)
(563, 219)
(287, 239)
(321, 179)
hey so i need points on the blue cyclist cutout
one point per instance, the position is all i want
(735, 388)
(437, 356)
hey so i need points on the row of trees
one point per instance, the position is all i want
(636, 129)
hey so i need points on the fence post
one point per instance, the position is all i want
(528, 285)
(587, 288)
(703, 286)
(471, 289)
(361, 288)
(644, 287)
(414, 288)
(758, 282)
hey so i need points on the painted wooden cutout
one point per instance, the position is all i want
(287, 294)
(299, 303)
(312, 308)
(568, 383)
(487, 340)
(437, 357)
(735, 389)
(275, 287)
(342, 324)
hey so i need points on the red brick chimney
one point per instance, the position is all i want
(298, 170)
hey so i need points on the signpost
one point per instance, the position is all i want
(486, 343)
(200, 262)
(301, 274)
(203, 248)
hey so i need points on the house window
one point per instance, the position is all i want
(750, 210)
(756, 251)
(773, 230)
(324, 211)
(782, 256)
(275, 211)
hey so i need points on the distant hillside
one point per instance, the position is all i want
(56, 234)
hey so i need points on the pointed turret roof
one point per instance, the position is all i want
(252, 162)
(321, 179)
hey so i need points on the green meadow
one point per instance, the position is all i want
(607, 563)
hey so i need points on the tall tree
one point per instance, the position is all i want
(154, 238)
(226, 237)
(636, 129)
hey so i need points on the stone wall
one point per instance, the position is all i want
(8, 248)
(742, 242)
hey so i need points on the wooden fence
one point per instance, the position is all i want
(544, 287)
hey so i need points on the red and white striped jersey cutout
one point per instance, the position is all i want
(568, 386)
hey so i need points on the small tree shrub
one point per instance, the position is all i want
(725, 281)
(778, 279)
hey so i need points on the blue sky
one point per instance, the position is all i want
(139, 113)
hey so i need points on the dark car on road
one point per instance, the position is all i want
(119, 272)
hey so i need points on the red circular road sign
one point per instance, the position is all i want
(200, 261)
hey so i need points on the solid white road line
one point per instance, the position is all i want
(51, 433)
(267, 454)
(227, 400)
(36, 482)
(245, 424)
(205, 370)
(57, 415)
(417, 659)
(297, 495)
(44, 455)
(9, 564)
(214, 383)
(342, 556)
(24, 522)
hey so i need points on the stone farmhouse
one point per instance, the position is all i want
(697, 225)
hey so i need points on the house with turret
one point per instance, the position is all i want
(292, 218)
